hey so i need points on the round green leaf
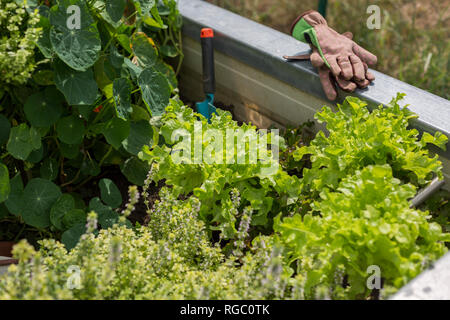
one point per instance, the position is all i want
(14, 202)
(122, 98)
(36, 155)
(38, 198)
(22, 141)
(110, 194)
(115, 131)
(44, 108)
(78, 48)
(73, 217)
(64, 204)
(141, 133)
(71, 237)
(155, 90)
(70, 129)
(145, 50)
(69, 151)
(79, 88)
(145, 5)
(49, 169)
(115, 9)
(107, 217)
(44, 43)
(135, 170)
(5, 128)
(44, 77)
(5, 187)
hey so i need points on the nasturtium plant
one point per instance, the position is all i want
(74, 106)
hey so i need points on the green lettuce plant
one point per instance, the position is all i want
(366, 221)
(266, 188)
(357, 138)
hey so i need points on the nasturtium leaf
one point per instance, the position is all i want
(133, 69)
(64, 204)
(103, 81)
(71, 237)
(115, 9)
(125, 42)
(79, 87)
(110, 194)
(36, 155)
(49, 169)
(73, 217)
(145, 5)
(5, 128)
(44, 43)
(141, 134)
(14, 202)
(145, 49)
(151, 22)
(155, 90)
(5, 187)
(70, 129)
(115, 58)
(115, 131)
(38, 198)
(169, 51)
(139, 113)
(106, 216)
(78, 46)
(90, 167)
(44, 77)
(22, 141)
(167, 70)
(135, 170)
(155, 14)
(44, 108)
(122, 98)
(69, 151)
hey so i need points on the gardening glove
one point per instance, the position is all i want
(338, 52)
(328, 79)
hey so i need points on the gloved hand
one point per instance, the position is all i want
(339, 53)
(327, 78)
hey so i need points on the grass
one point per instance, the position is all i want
(413, 43)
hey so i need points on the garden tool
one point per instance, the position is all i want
(327, 78)
(206, 108)
(339, 53)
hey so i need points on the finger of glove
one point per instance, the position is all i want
(346, 85)
(316, 59)
(369, 75)
(348, 35)
(346, 68)
(358, 67)
(334, 66)
(299, 57)
(364, 55)
(363, 83)
(327, 83)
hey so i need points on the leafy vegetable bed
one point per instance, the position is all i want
(311, 227)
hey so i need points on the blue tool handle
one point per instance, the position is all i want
(209, 78)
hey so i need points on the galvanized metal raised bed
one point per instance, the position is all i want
(252, 76)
